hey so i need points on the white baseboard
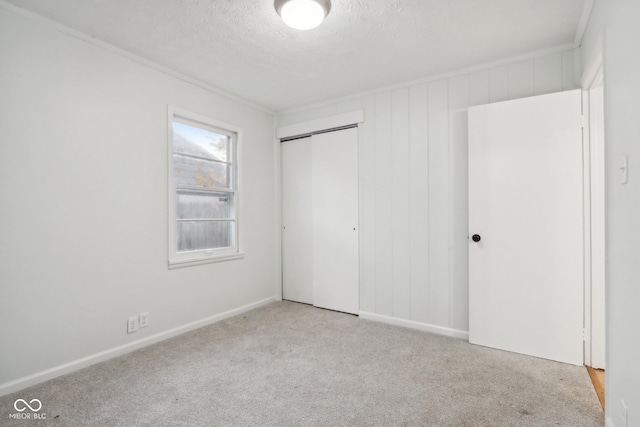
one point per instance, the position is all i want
(39, 377)
(440, 330)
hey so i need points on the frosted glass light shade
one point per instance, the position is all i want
(303, 14)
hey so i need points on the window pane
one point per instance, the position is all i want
(200, 173)
(201, 235)
(200, 142)
(198, 204)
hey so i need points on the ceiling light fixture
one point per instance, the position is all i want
(303, 14)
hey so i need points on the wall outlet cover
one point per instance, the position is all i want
(132, 324)
(624, 414)
(144, 319)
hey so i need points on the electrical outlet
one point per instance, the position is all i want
(132, 324)
(144, 319)
(623, 414)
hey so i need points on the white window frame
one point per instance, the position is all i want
(184, 259)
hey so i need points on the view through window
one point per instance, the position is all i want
(204, 188)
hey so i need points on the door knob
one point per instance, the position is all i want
(476, 238)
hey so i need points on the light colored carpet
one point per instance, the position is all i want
(289, 364)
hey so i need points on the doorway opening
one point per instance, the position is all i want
(594, 320)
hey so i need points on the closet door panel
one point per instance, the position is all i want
(334, 183)
(297, 252)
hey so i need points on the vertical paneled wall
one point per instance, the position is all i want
(413, 184)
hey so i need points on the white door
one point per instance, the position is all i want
(297, 251)
(525, 204)
(335, 220)
(320, 220)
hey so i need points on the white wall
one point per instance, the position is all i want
(83, 201)
(413, 184)
(614, 24)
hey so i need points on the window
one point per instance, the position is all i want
(203, 190)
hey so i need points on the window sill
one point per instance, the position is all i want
(188, 262)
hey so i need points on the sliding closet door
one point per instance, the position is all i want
(297, 275)
(335, 220)
(320, 220)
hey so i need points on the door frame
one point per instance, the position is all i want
(594, 178)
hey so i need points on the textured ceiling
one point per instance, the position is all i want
(243, 47)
